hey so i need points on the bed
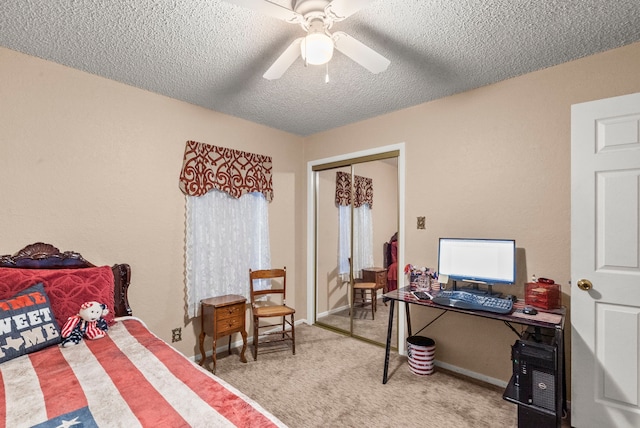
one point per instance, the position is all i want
(128, 378)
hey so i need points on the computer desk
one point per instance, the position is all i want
(552, 320)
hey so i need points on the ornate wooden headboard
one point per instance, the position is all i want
(46, 256)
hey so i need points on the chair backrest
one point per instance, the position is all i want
(268, 274)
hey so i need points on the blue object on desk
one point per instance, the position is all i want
(472, 301)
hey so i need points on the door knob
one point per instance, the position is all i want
(585, 284)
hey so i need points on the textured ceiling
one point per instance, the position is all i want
(212, 53)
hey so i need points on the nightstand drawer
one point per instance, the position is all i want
(230, 311)
(229, 324)
(375, 274)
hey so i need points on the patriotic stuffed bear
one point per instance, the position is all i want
(88, 323)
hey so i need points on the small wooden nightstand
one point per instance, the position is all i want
(229, 313)
(377, 275)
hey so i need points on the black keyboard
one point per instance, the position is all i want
(472, 301)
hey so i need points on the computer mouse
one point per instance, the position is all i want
(529, 310)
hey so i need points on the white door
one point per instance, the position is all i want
(605, 263)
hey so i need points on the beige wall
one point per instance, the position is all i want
(491, 162)
(92, 165)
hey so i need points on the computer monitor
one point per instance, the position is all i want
(478, 261)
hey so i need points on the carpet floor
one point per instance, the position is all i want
(336, 381)
(364, 324)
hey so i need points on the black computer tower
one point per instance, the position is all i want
(537, 381)
(535, 370)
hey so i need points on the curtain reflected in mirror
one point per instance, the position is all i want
(356, 222)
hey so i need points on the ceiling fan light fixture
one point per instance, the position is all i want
(317, 48)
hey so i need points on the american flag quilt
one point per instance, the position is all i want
(130, 378)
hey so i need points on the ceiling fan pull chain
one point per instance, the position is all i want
(306, 64)
(326, 76)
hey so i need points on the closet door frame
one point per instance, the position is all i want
(395, 150)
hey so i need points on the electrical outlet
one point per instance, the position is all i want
(176, 334)
(421, 223)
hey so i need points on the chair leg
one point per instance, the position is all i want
(293, 334)
(373, 304)
(255, 338)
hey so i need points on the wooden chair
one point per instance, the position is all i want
(365, 294)
(359, 294)
(263, 307)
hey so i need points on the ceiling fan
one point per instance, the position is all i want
(316, 17)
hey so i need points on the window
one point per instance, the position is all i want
(225, 238)
(227, 225)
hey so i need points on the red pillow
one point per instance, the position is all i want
(67, 289)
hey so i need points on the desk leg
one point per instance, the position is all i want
(561, 403)
(388, 350)
(408, 315)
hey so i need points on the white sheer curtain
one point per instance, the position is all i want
(226, 237)
(362, 240)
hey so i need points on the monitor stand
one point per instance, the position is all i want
(474, 287)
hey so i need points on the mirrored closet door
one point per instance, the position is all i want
(356, 218)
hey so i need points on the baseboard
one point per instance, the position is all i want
(332, 311)
(472, 375)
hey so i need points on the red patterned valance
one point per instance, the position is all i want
(363, 190)
(206, 167)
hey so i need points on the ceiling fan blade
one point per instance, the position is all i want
(284, 61)
(344, 8)
(360, 53)
(268, 8)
